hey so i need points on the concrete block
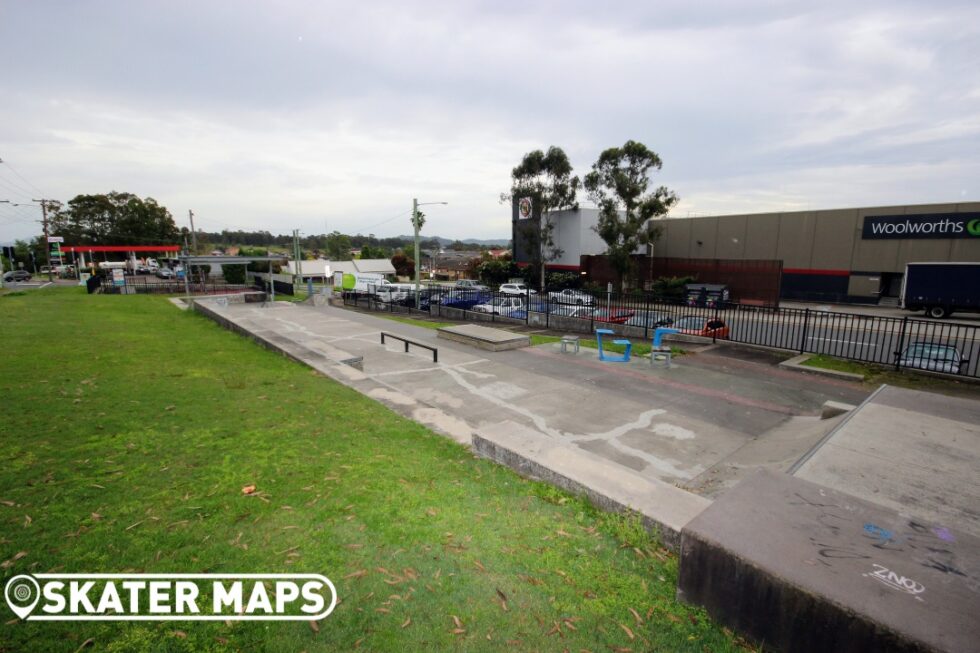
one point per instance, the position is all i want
(804, 568)
(835, 408)
(664, 508)
(484, 337)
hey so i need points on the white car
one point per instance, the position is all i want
(516, 289)
(501, 306)
(573, 311)
(569, 296)
(933, 357)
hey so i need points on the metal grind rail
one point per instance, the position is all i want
(435, 352)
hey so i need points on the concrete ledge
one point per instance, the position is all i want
(834, 408)
(796, 363)
(484, 337)
(664, 509)
(806, 569)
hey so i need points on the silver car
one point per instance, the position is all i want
(573, 297)
(933, 357)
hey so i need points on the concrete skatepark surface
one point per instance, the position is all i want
(701, 425)
(915, 452)
(649, 439)
(805, 568)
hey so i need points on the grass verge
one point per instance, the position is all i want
(878, 374)
(130, 428)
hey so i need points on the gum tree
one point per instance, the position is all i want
(546, 178)
(618, 185)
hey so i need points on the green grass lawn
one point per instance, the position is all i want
(130, 427)
(878, 374)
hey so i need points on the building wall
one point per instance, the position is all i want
(823, 253)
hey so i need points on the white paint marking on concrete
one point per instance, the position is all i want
(456, 428)
(846, 342)
(641, 422)
(504, 390)
(384, 394)
(673, 431)
(457, 366)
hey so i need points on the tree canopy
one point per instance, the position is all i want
(618, 185)
(546, 178)
(113, 219)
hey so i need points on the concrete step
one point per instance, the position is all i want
(664, 508)
(807, 569)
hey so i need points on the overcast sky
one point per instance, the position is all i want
(327, 115)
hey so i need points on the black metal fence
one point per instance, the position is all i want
(902, 342)
(138, 285)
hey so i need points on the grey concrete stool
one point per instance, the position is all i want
(569, 340)
(661, 356)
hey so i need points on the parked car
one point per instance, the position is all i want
(696, 325)
(464, 299)
(569, 296)
(469, 284)
(584, 312)
(501, 305)
(517, 289)
(165, 273)
(612, 316)
(933, 357)
(650, 319)
(17, 275)
(394, 293)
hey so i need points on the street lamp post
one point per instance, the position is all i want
(418, 261)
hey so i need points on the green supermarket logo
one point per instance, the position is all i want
(935, 226)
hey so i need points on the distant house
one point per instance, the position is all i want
(375, 265)
(317, 270)
(322, 269)
(453, 264)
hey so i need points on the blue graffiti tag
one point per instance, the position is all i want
(883, 535)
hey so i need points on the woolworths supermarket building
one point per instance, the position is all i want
(841, 255)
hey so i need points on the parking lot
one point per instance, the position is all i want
(713, 417)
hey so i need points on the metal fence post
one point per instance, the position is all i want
(806, 322)
(901, 344)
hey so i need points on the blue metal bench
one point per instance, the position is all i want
(660, 352)
(612, 358)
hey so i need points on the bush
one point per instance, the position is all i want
(671, 287)
(234, 274)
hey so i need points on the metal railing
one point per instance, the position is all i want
(902, 342)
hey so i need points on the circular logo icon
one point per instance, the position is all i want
(973, 227)
(22, 593)
(524, 208)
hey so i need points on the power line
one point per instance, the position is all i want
(21, 177)
(17, 190)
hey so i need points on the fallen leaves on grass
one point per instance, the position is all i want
(636, 615)
(248, 489)
(360, 573)
(87, 642)
(17, 556)
(407, 622)
(629, 633)
(503, 600)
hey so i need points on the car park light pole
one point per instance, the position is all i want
(418, 262)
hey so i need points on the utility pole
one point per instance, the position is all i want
(193, 232)
(47, 245)
(298, 271)
(415, 224)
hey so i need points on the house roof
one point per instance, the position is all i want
(378, 265)
(317, 268)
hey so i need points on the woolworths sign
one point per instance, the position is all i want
(932, 225)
